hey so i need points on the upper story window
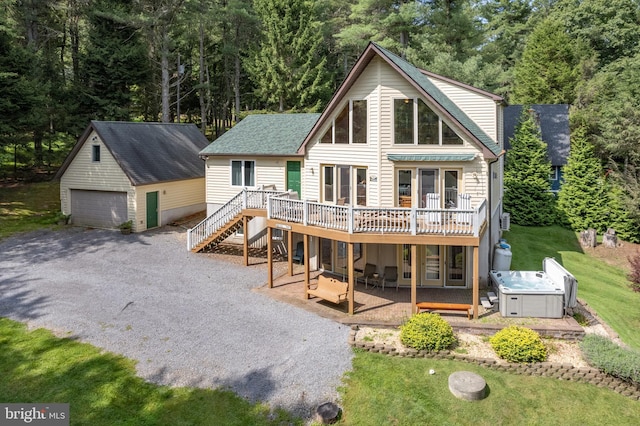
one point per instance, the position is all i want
(349, 126)
(243, 173)
(95, 153)
(416, 124)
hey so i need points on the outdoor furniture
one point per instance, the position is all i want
(368, 274)
(299, 254)
(390, 276)
(330, 289)
(438, 306)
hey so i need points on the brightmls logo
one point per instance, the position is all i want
(37, 414)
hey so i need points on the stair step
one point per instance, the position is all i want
(492, 297)
(485, 303)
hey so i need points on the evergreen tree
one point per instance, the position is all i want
(583, 198)
(115, 61)
(288, 67)
(548, 70)
(527, 190)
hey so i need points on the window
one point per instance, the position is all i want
(242, 173)
(350, 126)
(416, 123)
(428, 125)
(404, 188)
(359, 122)
(403, 117)
(344, 184)
(95, 153)
(342, 126)
(328, 183)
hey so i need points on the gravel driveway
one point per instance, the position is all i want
(188, 319)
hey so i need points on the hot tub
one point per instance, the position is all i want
(528, 294)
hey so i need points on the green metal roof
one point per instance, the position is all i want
(431, 157)
(264, 134)
(423, 81)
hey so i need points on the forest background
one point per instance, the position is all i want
(211, 62)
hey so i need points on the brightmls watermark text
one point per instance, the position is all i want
(40, 414)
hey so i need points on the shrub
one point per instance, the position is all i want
(634, 274)
(519, 344)
(427, 331)
(610, 358)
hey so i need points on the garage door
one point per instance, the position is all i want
(98, 208)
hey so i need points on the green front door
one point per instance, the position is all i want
(152, 209)
(293, 176)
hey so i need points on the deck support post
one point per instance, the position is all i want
(414, 278)
(476, 281)
(351, 273)
(290, 252)
(269, 256)
(245, 246)
(307, 272)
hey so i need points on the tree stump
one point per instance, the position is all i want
(588, 238)
(610, 239)
(327, 413)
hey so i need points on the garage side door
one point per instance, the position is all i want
(98, 208)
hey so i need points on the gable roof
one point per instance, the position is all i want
(264, 134)
(148, 152)
(554, 129)
(417, 77)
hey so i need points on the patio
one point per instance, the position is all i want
(390, 308)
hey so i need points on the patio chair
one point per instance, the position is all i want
(368, 273)
(390, 276)
(299, 254)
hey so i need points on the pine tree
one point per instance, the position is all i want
(288, 67)
(583, 196)
(527, 193)
(548, 71)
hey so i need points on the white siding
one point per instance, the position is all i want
(105, 175)
(480, 108)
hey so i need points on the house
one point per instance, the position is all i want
(553, 122)
(149, 173)
(401, 175)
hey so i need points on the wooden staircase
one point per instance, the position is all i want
(221, 234)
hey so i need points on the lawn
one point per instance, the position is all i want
(102, 388)
(28, 207)
(400, 391)
(602, 286)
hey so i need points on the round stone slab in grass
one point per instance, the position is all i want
(467, 385)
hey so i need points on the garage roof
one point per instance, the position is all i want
(149, 152)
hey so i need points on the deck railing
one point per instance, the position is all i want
(246, 199)
(413, 221)
(352, 219)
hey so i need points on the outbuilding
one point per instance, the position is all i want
(146, 173)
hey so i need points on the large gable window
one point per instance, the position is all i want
(349, 126)
(416, 123)
(242, 173)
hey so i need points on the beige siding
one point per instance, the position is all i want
(175, 199)
(269, 171)
(480, 108)
(105, 175)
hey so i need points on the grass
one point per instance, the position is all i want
(400, 391)
(602, 286)
(102, 388)
(28, 207)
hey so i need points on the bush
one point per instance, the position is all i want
(427, 331)
(610, 358)
(519, 344)
(634, 274)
